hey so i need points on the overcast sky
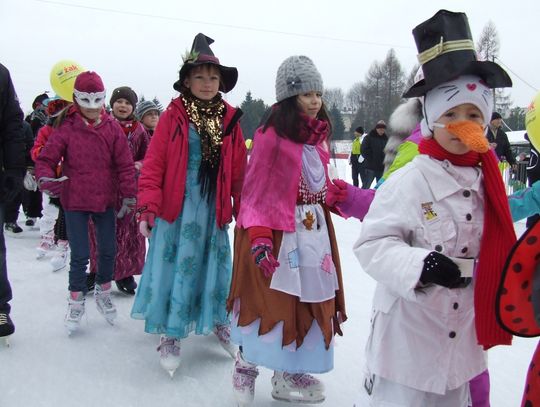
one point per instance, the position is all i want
(140, 43)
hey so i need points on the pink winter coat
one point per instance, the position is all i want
(163, 176)
(272, 178)
(96, 160)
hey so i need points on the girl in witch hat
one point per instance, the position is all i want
(189, 191)
(432, 225)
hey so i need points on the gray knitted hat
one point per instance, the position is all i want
(144, 107)
(296, 75)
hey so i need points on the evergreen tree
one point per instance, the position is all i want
(338, 127)
(254, 110)
(516, 118)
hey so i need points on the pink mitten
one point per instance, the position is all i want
(261, 251)
(336, 193)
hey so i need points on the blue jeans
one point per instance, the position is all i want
(77, 230)
(5, 287)
(370, 175)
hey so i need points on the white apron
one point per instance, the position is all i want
(306, 267)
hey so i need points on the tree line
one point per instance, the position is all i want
(379, 93)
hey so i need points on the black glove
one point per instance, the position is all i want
(440, 270)
(12, 184)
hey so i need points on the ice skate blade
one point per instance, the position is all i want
(5, 340)
(293, 398)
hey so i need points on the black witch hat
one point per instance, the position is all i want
(201, 54)
(446, 51)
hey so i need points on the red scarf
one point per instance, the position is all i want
(498, 237)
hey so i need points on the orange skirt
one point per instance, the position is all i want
(258, 300)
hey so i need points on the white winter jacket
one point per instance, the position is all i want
(422, 338)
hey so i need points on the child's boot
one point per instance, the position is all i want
(244, 376)
(102, 294)
(297, 387)
(60, 258)
(169, 354)
(75, 311)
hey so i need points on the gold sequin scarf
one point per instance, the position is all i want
(207, 117)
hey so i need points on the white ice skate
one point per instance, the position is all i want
(244, 376)
(169, 354)
(102, 294)
(46, 246)
(75, 311)
(297, 388)
(223, 333)
(60, 257)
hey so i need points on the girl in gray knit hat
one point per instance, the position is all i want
(286, 296)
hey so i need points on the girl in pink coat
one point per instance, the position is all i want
(97, 165)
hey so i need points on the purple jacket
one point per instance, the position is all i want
(96, 160)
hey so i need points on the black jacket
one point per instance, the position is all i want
(373, 150)
(503, 145)
(12, 146)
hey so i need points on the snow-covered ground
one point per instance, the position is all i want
(117, 366)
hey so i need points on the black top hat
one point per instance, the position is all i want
(202, 54)
(446, 51)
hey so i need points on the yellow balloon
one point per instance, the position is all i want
(532, 121)
(63, 75)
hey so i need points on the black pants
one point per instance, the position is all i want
(12, 208)
(5, 287)
(32, 203)
(357, 170)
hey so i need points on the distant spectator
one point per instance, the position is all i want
(373, 153)
(499, 140)
(356, 160)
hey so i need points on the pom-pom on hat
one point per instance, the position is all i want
(446, 50)
(124, 92)
(201, 54)
(296, 75)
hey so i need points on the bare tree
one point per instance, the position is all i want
(334, 97)
(487, 47)
(354, 97)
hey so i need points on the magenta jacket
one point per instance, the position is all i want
(163, 176)
(96, 160)
(272, 178)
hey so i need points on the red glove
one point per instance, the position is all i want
(261, 251)
(336, 193)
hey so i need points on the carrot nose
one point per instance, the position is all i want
(471, 134)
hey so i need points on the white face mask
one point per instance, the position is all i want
(89, 100)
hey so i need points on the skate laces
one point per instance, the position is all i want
(300, 380)
(3, 319)
(168, 346)
(104, 299)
